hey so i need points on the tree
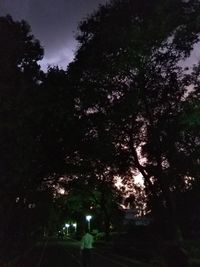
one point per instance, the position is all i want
(54, 124)
(96, 196)
(132, 90)
(189, 157)
(19, 78)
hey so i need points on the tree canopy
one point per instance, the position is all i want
(133, 91)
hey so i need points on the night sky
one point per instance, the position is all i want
(53, 22)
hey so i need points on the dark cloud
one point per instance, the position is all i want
(54, 23)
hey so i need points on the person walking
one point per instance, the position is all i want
(86, 249)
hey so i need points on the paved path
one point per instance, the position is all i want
(67, 254)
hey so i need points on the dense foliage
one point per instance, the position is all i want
(134, 94)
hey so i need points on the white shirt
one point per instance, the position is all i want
(87, 241)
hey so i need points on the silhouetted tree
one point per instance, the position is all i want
(132, 91)
(19, 78)
(97, 196)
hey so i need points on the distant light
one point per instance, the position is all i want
(67, 225)
(88, 217)
(61, 191)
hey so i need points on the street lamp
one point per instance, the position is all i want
(75, 226)
(67, 226)
(88, 218)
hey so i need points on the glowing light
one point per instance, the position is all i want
(75, 226)
(88, 218)
(67, 226)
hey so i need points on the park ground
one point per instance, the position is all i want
(66, 253)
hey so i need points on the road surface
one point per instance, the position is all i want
(67, 254)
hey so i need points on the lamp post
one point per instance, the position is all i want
(88, 218)
(75, 226)
(67, 226)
